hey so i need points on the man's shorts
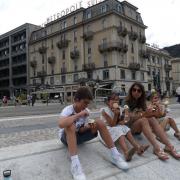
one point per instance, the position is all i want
(81, 137)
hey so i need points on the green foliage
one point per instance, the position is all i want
(45, 96)
(22, 97)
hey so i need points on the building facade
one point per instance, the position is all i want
(13, 60)
(104, 44)
(176, 72)
(159, 70)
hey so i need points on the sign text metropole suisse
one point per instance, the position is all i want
(72, 8)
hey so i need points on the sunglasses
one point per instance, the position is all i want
(136, 90)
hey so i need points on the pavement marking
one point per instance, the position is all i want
(29, 117)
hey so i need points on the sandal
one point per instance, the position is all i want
(172, 151)
(141, 149)
(177, 135)
(129, 154)
(161, 155)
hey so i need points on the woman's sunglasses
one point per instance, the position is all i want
(136, 90)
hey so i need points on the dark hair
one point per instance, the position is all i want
(139, 103)
(111, 97)
(83, 93)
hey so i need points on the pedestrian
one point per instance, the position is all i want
(164, 120)
(75, 129)
(116, 120)
(33, 99)
(178, 94)
(29, 98)
(143, 119)
(5, 100)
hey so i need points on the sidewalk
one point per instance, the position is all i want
(48, 160)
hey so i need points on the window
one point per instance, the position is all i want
(119, 8)
(123, 76)
(63, 79)
(104, 23)
(132, 47)
(105, 60)
(63, 37)
(88, 15)
(88, 28)
(89, 59)
(89, 48)
(75, 77)
(51, 80)
(75, 36)
(149, 71)
(105, 74)
(75, 67)
(103, 8)
(52, 71)
(64, 25)
(75, 20)
(142, 76)
(52, 44)
(153, 59)
(34, 81)
(63, 54)
(133, 74)
(104, 41)
(89, 75)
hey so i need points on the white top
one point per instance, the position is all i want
(178, 90)
(69, 111)
(109, 112)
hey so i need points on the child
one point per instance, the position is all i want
(165, 121)
(74, 130)
(115, 120)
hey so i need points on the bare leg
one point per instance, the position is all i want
(101, 127)
(132, 140)
(142, 125)
(159, 131)
(71, 139)
(173, 125)
(123, 144)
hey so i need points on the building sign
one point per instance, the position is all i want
(72, 8)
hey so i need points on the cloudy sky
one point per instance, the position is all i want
(161, 16)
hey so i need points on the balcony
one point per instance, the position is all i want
(42, 50)
(133, 36)
(33, 63)
(134, 66)
(41, 73)
(52, 60)
(88, 35)
(168, 67)
(143, 54)
(63, 44)
(125, 48)
(168, 79)
(74, 54)
(122, 31)
(111, 46)
(142, 39)
(88, 67)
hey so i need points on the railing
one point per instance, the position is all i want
(110, 46)
(133, 36)
(88, 35)
(74, 54)
(52, 60)
(42, 50)
(142, 39)
(88, 67)
(122, 31)
(63, 44)
(134, 66)
(168, 67)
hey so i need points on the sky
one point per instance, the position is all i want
(161, 16)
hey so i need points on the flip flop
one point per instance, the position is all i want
(161, 155)
(141, 149)
(172, 152)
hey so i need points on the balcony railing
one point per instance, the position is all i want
(168, 67)
(168, 79)
(143, 54)
(52, 60)
(142, 39)
(110, 46)
(74, 54)
(134, 66)
(133, 36)
(42, 50)
(88, 67)
(63, 44)
(88, 35)
(33, 63)
(122, 31)
(41, 73)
